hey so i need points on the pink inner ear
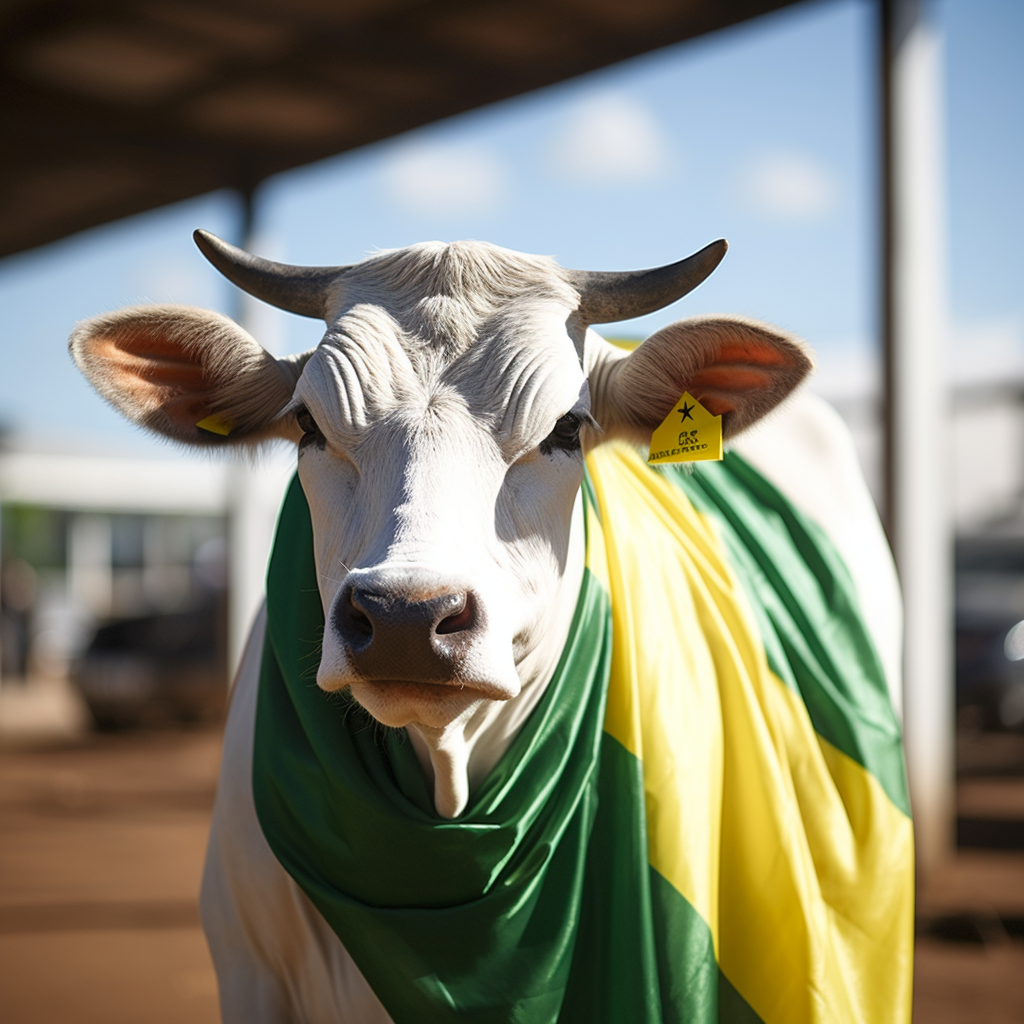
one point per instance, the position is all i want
(717, 405)
(170, 368)
(740, 366)
(148, 344)
(730, 378)
(750, 352)
(157, 363)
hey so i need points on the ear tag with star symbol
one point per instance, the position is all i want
(689, 433)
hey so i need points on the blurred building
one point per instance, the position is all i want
(88, 538)
(984, 467)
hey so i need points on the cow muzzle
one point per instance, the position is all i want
(394, 631)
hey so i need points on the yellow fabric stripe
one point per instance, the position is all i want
(790, 850)
(823, 877)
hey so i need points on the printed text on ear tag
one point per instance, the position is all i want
(689, 433)
(215, 425)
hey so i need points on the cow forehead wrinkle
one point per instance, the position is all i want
(527, 393)
(423, 437)
(356, 378)
(505, 393)
(334, 398)
(373, 341)
(387, 360)
(526, 387)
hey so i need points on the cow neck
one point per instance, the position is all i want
(457, 759)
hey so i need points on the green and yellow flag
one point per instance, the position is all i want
(704, 820)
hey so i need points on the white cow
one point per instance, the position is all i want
(441, 425)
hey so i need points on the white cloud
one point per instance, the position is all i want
(433, 179)
(611, 139)
(788, 186)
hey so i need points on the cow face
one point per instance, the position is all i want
(441, 425)
(441, 457)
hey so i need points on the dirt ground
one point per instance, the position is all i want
(101, 853)
(100, 863)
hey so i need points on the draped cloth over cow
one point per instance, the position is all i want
(705, 818)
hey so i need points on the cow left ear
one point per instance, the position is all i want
(736, 368)
(189, 374)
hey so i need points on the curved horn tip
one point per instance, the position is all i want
(302, 290)
(208, 243)
(607, 297)
(715, 250)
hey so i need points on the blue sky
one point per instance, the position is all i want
(763, 134)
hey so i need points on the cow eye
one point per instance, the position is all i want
(565, 437)
(311, 433)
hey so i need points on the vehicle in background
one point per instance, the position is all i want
(156, 669)
(990, 631)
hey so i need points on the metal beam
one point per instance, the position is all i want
(916, 401)
(255, 486)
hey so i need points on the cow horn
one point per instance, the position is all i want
(606, 297)
(302, 290)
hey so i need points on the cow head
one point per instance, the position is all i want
(441, 425)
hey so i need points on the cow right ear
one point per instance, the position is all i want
(189, 374)
(736, 368)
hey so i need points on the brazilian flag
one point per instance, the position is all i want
(704, 820)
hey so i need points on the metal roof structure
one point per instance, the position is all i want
(112, 107)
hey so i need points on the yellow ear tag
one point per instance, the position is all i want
(215, 425)
(689, 434)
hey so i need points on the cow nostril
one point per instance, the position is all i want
(358, 622)
(458, 622)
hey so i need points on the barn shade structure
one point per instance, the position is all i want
(112, 107)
